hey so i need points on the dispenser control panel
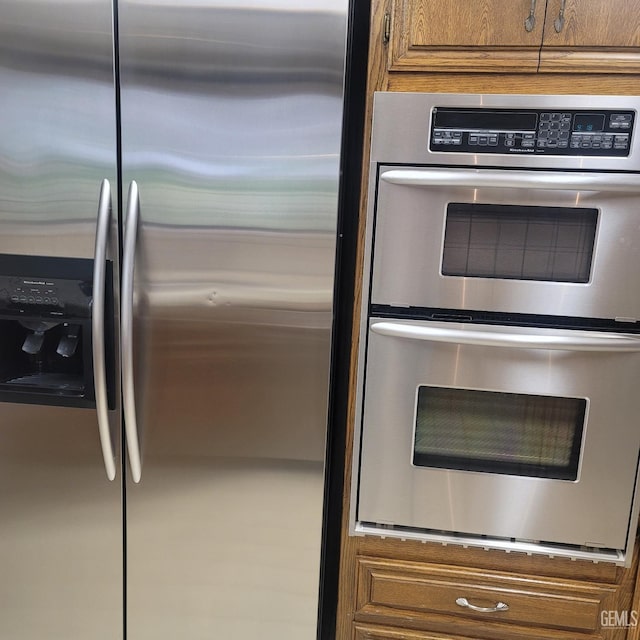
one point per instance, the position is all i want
(568, 132)
(60, 287)
(30, 291)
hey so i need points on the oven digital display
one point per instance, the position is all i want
(484, 119)
(588, 122)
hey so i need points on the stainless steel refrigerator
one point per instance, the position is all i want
(168, 196)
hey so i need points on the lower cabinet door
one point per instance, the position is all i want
(478, 604)
(372, 632)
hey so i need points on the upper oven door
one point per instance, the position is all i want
(515, 241)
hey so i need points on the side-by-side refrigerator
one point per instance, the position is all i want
(168, 196)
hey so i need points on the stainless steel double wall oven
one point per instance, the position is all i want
(499, 347)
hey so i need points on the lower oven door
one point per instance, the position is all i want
(508, 432)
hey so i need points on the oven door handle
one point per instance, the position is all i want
(510, 179)
(579, 341)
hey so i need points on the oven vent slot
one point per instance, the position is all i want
(550, 549)
(452, 317)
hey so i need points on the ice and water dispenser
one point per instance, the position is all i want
(45, 331)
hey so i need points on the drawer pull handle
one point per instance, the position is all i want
(530, 22)
(500, 606)
(558, 25)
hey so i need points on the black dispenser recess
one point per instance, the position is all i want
(45, 331)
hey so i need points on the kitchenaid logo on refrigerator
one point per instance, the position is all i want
(618, 619)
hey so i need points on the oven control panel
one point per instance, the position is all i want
(563, 132)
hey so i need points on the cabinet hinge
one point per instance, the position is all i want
(386, 30)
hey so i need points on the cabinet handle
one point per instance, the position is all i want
(386, 31)
(530, 22)
(499, 606)
(559, 21)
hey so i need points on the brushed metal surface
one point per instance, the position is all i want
(231, 118)
(57, 130)
(60, 517)
(592, 511)
(410, 223)
(491, 510)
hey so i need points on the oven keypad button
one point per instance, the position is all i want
(447, 137)
(620, 120)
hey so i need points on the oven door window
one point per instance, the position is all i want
(553, 244)
(492, 432)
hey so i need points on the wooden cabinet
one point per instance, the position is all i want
(459, 35)
(595, 35)
(392, 589)
(488, 605)
(514, 35)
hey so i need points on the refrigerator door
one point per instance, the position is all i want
(231, 127)
(60, 515)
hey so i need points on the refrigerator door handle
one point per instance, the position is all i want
(97, 327)
(126, 331)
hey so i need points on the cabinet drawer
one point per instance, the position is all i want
(370, 632)
(429, 596)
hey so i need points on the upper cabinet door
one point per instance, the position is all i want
(591, 36)
(459, 35)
